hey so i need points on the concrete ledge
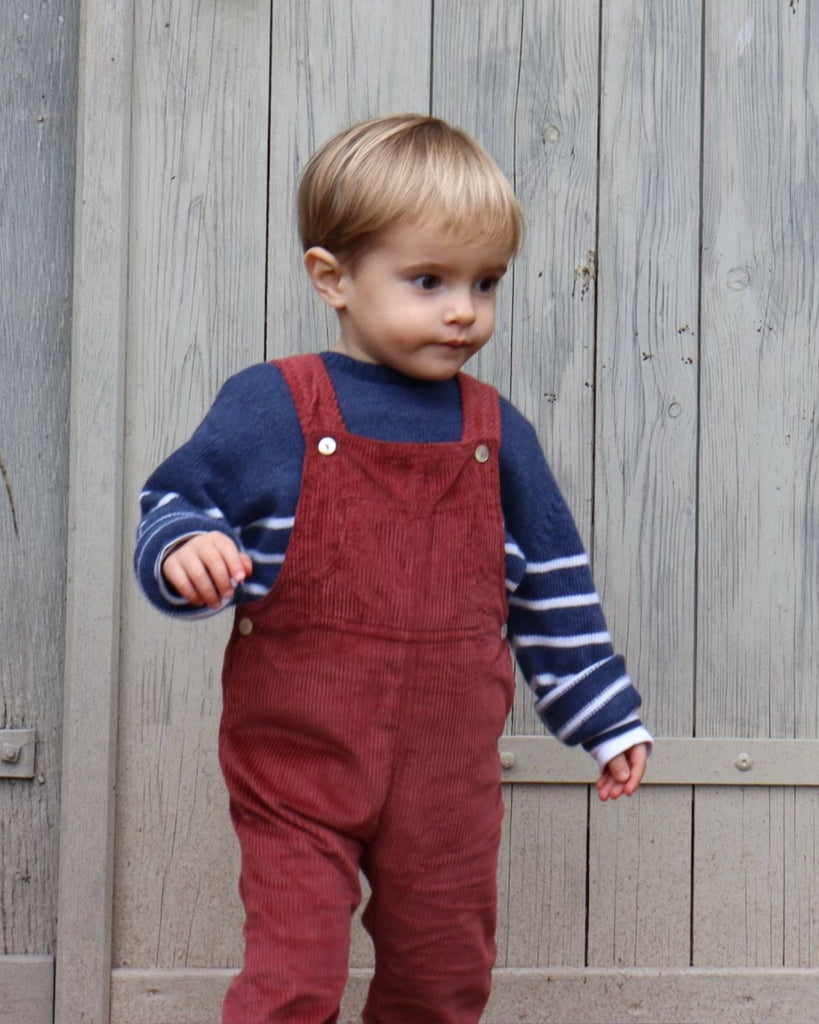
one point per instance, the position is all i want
(26, 989)
(524, 996)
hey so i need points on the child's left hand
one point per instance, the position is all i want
(623, 773)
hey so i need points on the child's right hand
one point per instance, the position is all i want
(206, 569)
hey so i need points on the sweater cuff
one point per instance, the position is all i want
(610, 748)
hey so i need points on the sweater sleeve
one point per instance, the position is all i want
(241, 464)
(582, 690)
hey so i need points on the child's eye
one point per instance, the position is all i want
(427, 282)
(486, 285)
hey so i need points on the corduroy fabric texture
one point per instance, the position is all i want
(363, 701)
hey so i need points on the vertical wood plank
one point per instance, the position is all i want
(545, 893)
(646, 449)
(648, 282)
(640, 880)
(196, 314)
(739, 878)
(332, 65)
(759, 494)
(38, 53)
(801, 898)
(94, 514)
(759, 617)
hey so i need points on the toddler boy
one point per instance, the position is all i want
(385, 527)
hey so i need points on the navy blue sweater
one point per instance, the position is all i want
(241, 473)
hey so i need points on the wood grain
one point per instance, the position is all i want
(758, 614)
(645, 453)
(38, 53)
(196, 314)
(89, 731)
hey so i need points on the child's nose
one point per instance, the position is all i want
(461, 309)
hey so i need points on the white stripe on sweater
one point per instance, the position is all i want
(590, 709)
(570, 562)
(272, 523)
(581, 640)
(566, 684)
(549, 603)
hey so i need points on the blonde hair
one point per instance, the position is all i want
(403, 167)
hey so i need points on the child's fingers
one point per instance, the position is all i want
(207, 582)
(176, 575)
(205, 570)
(623, 774)
(238, 565)
(639, 760)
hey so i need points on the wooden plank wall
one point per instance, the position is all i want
(38, 54)
(759, 502)
(657, 329)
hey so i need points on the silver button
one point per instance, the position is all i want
(327, 445)
(482, 453)
(245, 627)
(504, 631)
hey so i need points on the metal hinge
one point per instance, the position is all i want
(17, 753)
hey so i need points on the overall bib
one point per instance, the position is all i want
(363, 701)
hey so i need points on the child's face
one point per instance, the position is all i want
(421, 301)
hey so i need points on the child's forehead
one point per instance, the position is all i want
(431, 238)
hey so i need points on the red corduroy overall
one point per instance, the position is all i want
(363, 700)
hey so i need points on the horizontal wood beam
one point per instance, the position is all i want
(567, 995)
(674, 762)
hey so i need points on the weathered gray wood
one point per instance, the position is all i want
(739, 908)
(331, 65)
(647, 282)
(554, 996)
(759, 548)
(38, 49)
(759, 552)
(801, 890)
(196, 314)
(544, 891)
(524, 78)
(645, 452)
(675, 762)
(26, 989)
(640, 880)
(94, 514)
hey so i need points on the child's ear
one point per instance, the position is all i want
(327, 275)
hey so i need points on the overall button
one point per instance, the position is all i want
(327, 445)
(482, 453)
(245, 627)
(504, 631)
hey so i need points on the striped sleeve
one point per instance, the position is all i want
(239, 473)
(557, 629)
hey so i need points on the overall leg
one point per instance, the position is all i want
(433, 862)
(299, 885)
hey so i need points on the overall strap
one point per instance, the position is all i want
(480, 409)
(313, 393)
